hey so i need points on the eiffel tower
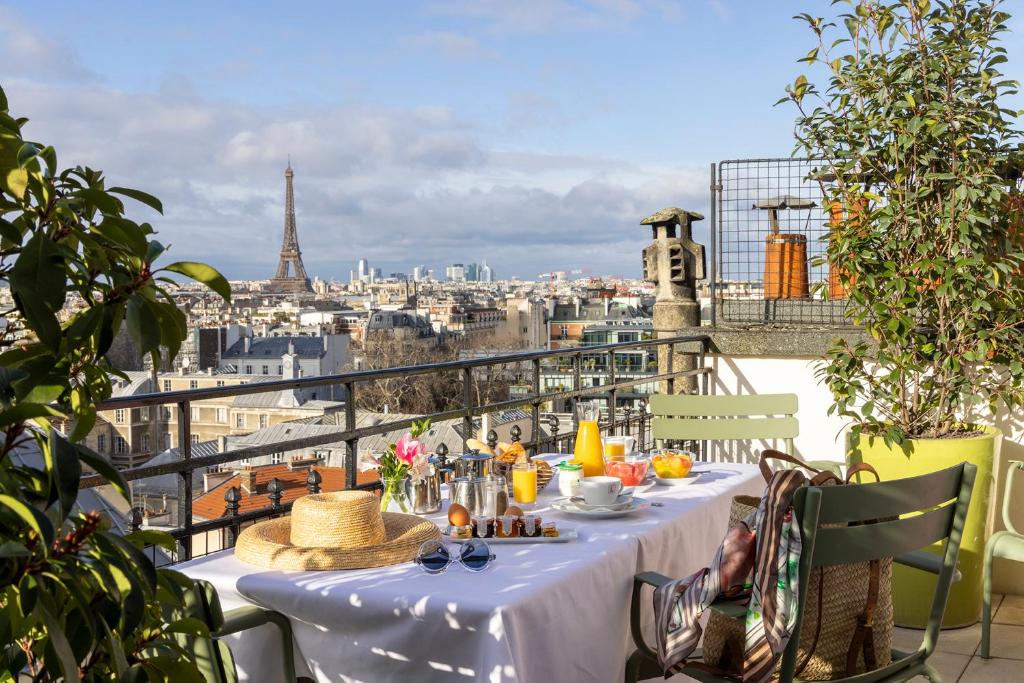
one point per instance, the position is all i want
(291, 256)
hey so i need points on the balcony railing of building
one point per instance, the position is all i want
(615, 419)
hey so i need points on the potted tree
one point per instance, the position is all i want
(913, 129)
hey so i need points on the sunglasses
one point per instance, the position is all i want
(434, 556)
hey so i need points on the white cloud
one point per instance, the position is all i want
(451, 44)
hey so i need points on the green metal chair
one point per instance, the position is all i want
(919, 511)
(725, 418)
(212, 654)
(1009, 545)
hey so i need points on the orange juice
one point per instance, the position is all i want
(588, 451)
(524, 482)
(614, 448)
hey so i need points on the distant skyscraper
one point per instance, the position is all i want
(418, 272)
(376, 274)
(486, 274)
(472, 272)
(456, 272)
(364, 269)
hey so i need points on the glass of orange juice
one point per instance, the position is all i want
(617, 445)
(524, 482)
(588, 450)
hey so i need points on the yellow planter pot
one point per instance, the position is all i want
(912, 589)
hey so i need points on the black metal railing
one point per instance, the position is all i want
(616, 419)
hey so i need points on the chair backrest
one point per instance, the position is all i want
(212, 656)
(725, 418)
(862, 522)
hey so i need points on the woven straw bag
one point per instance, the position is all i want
(847, 616)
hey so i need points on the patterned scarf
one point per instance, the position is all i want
(768, 543)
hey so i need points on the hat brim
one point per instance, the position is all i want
(267, 544)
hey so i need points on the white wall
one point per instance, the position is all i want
(821, 436)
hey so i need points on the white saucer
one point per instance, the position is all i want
(621, 503)
(679, 481)
(567, 506)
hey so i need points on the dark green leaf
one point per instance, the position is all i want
(139, 196)
(205, 274)
(102, 466)
(39, 273)
(65, 471)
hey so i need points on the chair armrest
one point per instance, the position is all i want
(925, 561)
(651, 579)
(249, 617)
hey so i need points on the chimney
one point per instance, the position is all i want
(245, 343)
(209, 371)
(247, 477)
(222, 443)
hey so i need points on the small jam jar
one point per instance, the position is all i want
(531, 526)
(569, 476)
(462, 532)
(483, 527)
(549, 530)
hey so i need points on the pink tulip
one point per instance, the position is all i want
(407, 448)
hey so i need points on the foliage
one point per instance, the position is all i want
(913, 130)
(77, 602)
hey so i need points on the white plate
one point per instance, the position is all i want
(623, 502)
(679, 481)
(565, 505)
(565, 534)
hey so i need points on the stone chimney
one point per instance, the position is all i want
(222, 443)
(247, 477)
(246, 341)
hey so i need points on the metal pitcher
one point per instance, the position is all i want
(424, 493)
(486, 496)
(472, 465)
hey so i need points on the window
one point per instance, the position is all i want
(263, 421)
(240, 420)
(167, 440)
(276, 458)
(563, 330)
(220, 383)
(166, 412)
(266, 369)
(195, 414)
(167, 385)
(120, 445)
(193, 384)
(101, 443)
(145, 443)
(144, 413)
(194, 438)
(248, 369)
(279, 369)
(222, 415)
(119, 416)
(245, 462)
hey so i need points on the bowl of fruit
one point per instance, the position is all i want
(672, 467)
(631, 468)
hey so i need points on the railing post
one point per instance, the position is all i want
(535, 409)
(276, 490)
(628, 410)
(577, 381)
(185, 480)
(232, 497)
(670, 383)
(553, 424)
(516, 434)
(467, 404)
(313, 481)
(611, 392)
(134, 519)
(643, 424)
(442, 462)
(492, 439)
(351, 445)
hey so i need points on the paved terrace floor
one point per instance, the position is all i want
(958, 655)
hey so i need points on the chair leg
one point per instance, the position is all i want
(633, 666)
(986, 607)
(931, 674)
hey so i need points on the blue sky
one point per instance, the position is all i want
(534, 134)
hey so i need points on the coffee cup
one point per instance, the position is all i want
(600, 490)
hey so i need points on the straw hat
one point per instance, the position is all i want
(341, 530)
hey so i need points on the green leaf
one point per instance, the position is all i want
(65, 471)
(13, 549)
(16, 182)
(35, 519)
(9, 232)
(144, 537)
(39, 272)
(204, 274)
(101, 465)
(139, 196)
(26, 153)
(189, 626)
(24, 412)
(143, 326)
(68, 664)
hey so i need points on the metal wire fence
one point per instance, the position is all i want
(772, 227)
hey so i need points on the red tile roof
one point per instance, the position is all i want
(212, 505)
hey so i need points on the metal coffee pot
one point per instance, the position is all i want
(424, 493)
(482, 496)
(472, 465)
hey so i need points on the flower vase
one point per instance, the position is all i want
(393, 498)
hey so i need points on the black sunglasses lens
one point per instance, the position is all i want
(433, 557)
(476, 555)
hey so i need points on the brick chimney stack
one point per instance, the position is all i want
(248, 481)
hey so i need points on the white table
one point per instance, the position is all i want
(553, 612)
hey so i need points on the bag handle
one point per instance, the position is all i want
(819, 478)
(862, 467)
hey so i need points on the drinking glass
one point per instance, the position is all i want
(588, 451)
(618, 445)
(524, 482)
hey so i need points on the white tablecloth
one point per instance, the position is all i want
(540, 613)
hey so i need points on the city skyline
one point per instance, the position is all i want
(534, 134)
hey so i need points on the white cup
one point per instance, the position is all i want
(600, 490)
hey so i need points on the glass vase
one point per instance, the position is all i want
(393, 498)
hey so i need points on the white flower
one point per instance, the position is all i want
(367, 461)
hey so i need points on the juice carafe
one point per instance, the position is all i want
(589, 452)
